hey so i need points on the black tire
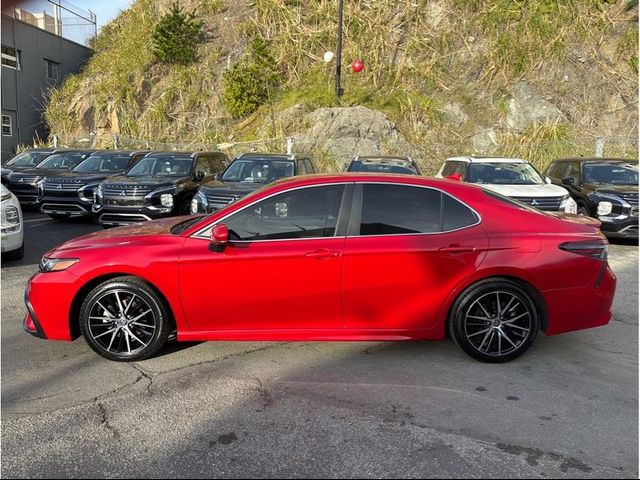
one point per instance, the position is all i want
(57, 216)
(516, 327)
(128, 340)
(17, 254)
(582, 210)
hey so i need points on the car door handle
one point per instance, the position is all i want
(455, 248)
(322, 254)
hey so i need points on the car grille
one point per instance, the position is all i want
(124, 202)
(61, 193)
(126, 190)
(217, 202)
(631, 198)
(541, 203)
(62, 184)
(26, 180)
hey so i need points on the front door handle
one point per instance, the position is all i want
(322, 254)
(455, 248)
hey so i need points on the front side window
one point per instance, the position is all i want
(303, 213)
(28, 159)
(6, 126)
(615, 174)
(556, 170)
(162, 166)
(401, 209)
(203, 165)
(258, 170)
(60, 161)
(502, 173)
(103, 164)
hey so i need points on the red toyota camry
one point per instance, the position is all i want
(341, 257)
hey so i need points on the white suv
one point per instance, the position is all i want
(11, 240)
(512, 177)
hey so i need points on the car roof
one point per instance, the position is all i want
(486, 160)
(177, 153)
(597, 160)
(382, 157)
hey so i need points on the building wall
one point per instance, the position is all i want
(24, 89)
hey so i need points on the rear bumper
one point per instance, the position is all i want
(572, 309)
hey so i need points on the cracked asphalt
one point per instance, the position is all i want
(568, 408)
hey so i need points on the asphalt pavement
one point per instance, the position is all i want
(567, 408)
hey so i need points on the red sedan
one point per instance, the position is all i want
(342, 257)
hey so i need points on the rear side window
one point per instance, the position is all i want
(399, 209)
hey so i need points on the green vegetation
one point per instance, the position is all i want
(176, 36)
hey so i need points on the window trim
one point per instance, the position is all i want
(351, 202)
(356, 215)
(345, 204)
(10, 124)
(57, 70)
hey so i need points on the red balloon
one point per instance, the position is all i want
(357, 65)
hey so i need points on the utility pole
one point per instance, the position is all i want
(339, 89)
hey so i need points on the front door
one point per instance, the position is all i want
(280, 271)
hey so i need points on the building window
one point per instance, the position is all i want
(10, 57)
(6, 126)
(52, 70)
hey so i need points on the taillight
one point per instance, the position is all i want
(589, 248)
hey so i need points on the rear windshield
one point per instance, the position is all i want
(393, 166)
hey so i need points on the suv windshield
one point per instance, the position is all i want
(27, 159)
(615, 174)
(61, 161)
(162, 166)
(107, 163)
(257, 170)
(383, 166)
(504, 173)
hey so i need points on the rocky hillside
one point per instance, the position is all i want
(535, 78)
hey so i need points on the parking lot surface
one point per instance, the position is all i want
(567, 408)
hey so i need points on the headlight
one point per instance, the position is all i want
(166, 200)
(604, 208)
(97, 195)
(56, 264)
(40, 186)
(11, 215)
(199, 199)
(86, 194)
(568, 204)
(162, 197)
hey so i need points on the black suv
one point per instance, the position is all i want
(70, 194)
(25, 183)
(247, 173)
(604, 188)
(383, 164)
(24, 160)
(160, 185)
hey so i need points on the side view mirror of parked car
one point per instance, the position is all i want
(198, 176)
(569, 181)
(220, 235)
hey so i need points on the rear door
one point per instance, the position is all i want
(407, 248)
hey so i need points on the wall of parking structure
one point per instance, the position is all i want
(429, 156)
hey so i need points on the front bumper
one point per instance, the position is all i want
(114, 216)
(48, 297)
(11, 241)
(70, 207)
(27, 194)
(623, 228)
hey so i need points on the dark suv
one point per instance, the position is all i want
(604, 188)
(248, 172)
(160, 185)
(24, 160)
(70, 194)
(383, 164)
(25, 183)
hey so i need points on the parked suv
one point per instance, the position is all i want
(383, 164)
(24, 184)
(604, 188)
(23, 161)
(160, 185)
(70, 194)
(247, 173)
(511, 177)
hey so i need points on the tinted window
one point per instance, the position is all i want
(218, 162)
(556, 170)
(104, 163)
(615, 174)
(504, 173)
(204, 165)
(309, 166)
(162, 165)
(456, 215)
(395, 209)
(63, 160)
(573, 170)
(28, 158)
(304, 213)
(302, 168)
(257, 170)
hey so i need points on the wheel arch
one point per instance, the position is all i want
(76, 303)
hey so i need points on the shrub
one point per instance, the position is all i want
(176, 36)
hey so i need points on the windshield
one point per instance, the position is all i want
(257, 171)
(615, 174)
(63, 161)
(107, 163)
(162, 166)
(392, 166)
(500, 173)
(28, 159)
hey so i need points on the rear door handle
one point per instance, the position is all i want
(322, 254)
(458, 249)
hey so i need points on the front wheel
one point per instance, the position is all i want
(124, 319)
(583, 211)
(494, 321)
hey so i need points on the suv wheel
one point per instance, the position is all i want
(124, 319)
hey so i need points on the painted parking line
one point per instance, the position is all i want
(39, 220)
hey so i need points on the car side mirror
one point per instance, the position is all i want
(570, 181)
(547, 180)
(454, 176)
(217, 176)
(198, 176)
(220, 235)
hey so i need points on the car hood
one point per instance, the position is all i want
(7, 169)
(73, 177)
(540, 190)
(41, 172)
(143, 181)
(239, 189)
(612, 189)
(120, 236)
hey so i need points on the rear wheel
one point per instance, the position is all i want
(124, 319)
(583, 211)
(494, 321)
